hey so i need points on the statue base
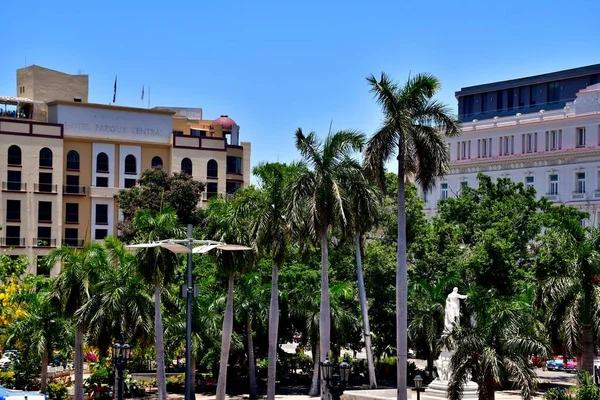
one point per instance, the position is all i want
(438, 389)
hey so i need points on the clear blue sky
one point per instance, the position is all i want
(274, 66)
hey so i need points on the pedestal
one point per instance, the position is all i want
(438, 389)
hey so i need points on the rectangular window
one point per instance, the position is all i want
(102, 214)
(483, 100)
(553, 92)
(44, 211)
(529, 181)
(506, 145)
(101, 181)
(45, 182)
(234, 165)
(580, 135)
(197, 132)
(72, 184)
(510, 101)
(522, 95)
(211, 189)
(580, 182)
(468, 105)
(129, 183)
(463, 149)
(72, 213)
(553, 185)
(232, 187)
(71, 237)
(13, 180)
(484, 148)
(100, 234)
(444, 191)
(554, 140)
(42, 267)
(13, 236)
(13, 210)
(532, 95)
(499, 103)
(464, 184)
(44, 234)
(529, 142)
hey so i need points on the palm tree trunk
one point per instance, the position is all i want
(44, 374)
(324, 316)
(365, 312)
(314, 386)
(273, 331)
(161, 380)
(251, 363)
(226, 341)
(78, 388)
(587, 356)
(401, 283)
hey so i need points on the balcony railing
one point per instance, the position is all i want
(45, 188)
(73, 242)
(44, 242)
(74, 189)
(14, 186)
(578, 195)
(597, 194)
(552, 196)
(12, 242)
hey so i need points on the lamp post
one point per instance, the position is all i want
(120, 354)
(418, 386)
(335, 377)
(189, 290)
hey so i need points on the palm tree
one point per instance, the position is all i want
(365, 206)
(328, 174)
(413, 130)
(270, 231)
(226, 225)
(157, 265)
(569, 295)
(73, 287)
(494, 349)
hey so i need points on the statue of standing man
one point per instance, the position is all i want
(452, 310)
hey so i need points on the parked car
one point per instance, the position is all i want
(555, 364)
(7, 358)
(570, 366)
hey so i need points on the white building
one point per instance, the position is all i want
(557, 152)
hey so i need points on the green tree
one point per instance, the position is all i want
(413, 130)
(157, 266)
(321, 188)
(72, 289)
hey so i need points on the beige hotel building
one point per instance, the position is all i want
(62, 160)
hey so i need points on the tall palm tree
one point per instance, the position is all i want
(226, 225)
(157, 266)
(494, 348)
(270, 231)
(365, 206)
(73, 287)
(413, 130)
(321, 190)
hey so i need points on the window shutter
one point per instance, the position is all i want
(512, 144)
(547, 140)
(469, 151)
(523, 143)
(478, 148)
(560, 139)
(535, 142)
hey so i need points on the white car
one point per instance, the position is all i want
(7, 359)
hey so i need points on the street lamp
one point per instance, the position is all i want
(189, 290)
(418, 386)
(120, 354)
(335, 376)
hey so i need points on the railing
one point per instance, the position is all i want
(45, 188)
(73, 242)
(14, 186)
(578, 195)
(74, 189)
(552, 196)
(12, 242)
(44, 242)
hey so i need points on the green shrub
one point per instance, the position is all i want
(7, 379)
(57, 391)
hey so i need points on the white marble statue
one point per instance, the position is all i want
(452, 310)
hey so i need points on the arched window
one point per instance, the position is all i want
(73, 160)
(14, 155)
(186, 166)
(102, 162)
(46, 157)
(212, 169)
(130, 164)
(157, 162)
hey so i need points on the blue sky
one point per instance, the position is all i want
(274, 66)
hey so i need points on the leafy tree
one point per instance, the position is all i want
(413, 129)
(321, 189)
(156, 191)
(157, 266)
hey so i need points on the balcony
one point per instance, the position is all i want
(14, 186)
(12, 242)
(45, 188)
(575, 196)
(44, 242)
(552, 196)
(76, 190)
(73, 242)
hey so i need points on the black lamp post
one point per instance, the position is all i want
(335, 377)
(419, 386)
(120, 354)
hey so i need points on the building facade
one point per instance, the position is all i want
(62, 165)
(557, 152)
